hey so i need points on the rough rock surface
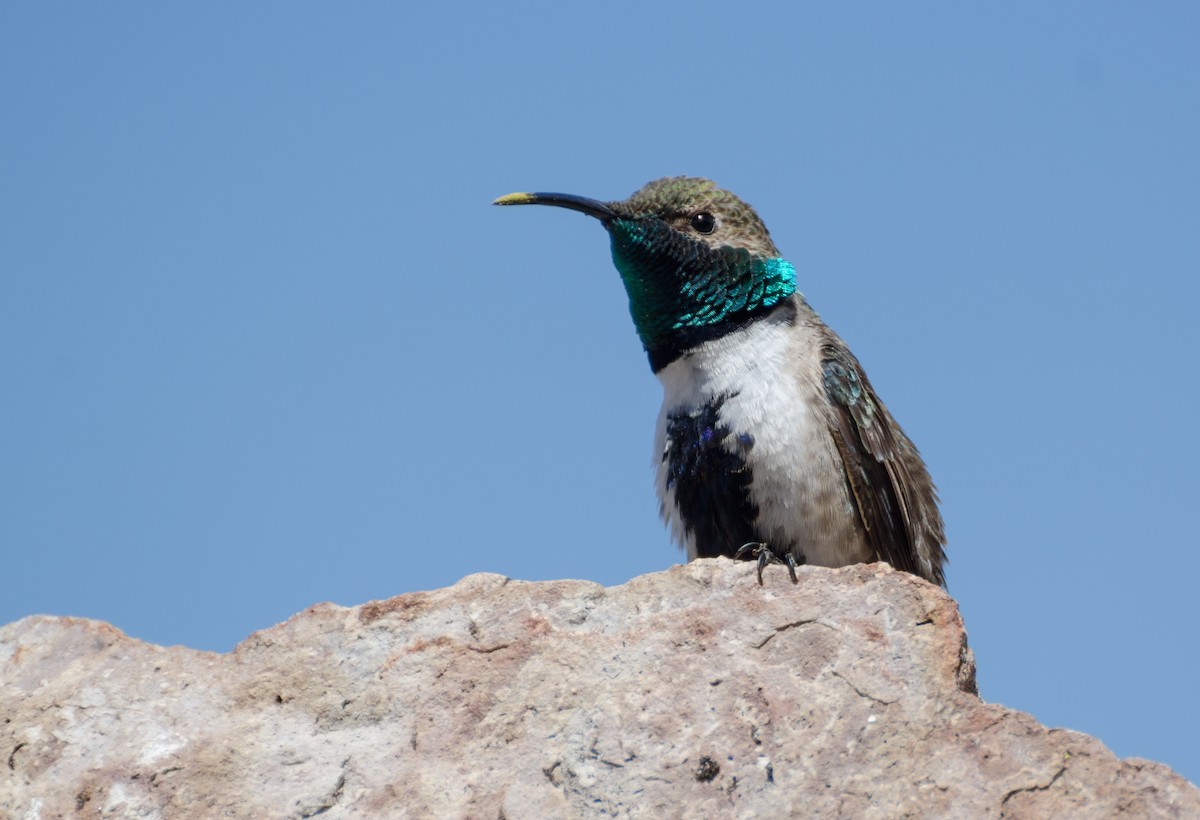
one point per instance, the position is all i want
(691, 692)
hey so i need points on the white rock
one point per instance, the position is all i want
(691, 692)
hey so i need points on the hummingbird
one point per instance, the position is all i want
(771, 444)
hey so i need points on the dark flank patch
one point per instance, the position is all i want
(707, 469)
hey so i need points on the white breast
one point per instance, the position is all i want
(771, 374)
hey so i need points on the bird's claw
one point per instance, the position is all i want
(765, 555)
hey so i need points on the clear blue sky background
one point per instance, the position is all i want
(264, 343)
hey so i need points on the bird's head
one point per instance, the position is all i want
(695, 259)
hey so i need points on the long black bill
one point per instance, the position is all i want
(591, 207)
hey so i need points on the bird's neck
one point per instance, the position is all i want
(683, 292)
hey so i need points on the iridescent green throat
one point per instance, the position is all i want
(681, 289)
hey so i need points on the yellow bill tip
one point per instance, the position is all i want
(514, 199)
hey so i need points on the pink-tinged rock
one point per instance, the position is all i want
(686, 693)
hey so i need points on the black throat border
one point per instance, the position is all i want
(686, 339)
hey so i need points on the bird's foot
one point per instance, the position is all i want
(766, 555)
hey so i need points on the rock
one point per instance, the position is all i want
(692, 692)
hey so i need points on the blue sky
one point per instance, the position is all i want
(264, 342)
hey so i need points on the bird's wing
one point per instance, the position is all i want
(892, 491)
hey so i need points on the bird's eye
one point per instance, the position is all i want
(704, 222)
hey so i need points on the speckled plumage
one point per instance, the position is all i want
(769, 429)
